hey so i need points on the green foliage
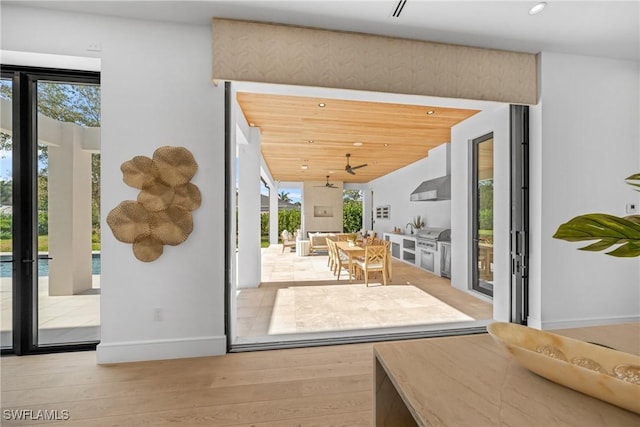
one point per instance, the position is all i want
(417, 223)
(608, 230)
(485, 219)
(351, 216)
(43, 223)
(6, 197)
(72, 103)
(5, 226)
(264, 224)
(632, 181)
(485, 189)
(352, 195)
(288, 219)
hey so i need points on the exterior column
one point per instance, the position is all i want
(367, 207)
(273, 214)
(69, 214)
(249, 270)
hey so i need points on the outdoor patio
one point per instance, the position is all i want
(301, 295)
(61, 319)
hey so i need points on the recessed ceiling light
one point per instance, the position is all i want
(537, 8)
(311, 141)
(386, 145)
(332, 171)
(304, 167)
(358, 144)
(322, 104)
(251, 124)
(430, 112)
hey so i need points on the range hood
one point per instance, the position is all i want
(432, 190)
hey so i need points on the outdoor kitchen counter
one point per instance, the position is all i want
(472, 381)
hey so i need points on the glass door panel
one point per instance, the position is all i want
(68, 213)
(483, 215)
(6, 217)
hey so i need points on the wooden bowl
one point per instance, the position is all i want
(606, 374)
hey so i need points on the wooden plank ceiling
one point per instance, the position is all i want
(297, 132)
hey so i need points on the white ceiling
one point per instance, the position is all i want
(599, 28)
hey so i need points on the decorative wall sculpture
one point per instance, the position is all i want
(162, 214)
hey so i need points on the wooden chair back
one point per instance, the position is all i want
(375, 254)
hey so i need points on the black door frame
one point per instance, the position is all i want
(519, 218)
(24, 194)
(475, 205)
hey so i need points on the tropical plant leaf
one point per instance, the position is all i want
(634, 177)
(601, 245)
(629, 250)
(633, 218)
(608, 230)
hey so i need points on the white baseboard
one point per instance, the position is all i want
(534, 323)
(580, 323)
(136, 351)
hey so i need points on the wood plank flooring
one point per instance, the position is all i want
(320, 386)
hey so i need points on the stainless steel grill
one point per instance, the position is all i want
(429, 257)
(429, 237)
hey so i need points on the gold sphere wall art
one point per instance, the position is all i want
(162, 214)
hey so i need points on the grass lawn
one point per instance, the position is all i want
(43, 245)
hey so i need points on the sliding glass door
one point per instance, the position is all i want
(482, 211)
(50, 277)
(6, 216)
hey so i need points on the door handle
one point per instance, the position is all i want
(44, 257)
(28, 260)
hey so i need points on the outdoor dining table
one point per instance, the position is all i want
(352, 251)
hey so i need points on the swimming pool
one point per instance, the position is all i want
(43, 266)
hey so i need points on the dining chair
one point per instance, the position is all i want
(340, 260)
(287, 241)
(375, 259)
(331, 258)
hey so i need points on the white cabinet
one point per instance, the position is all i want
(403, 247)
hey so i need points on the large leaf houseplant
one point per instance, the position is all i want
(620, 234)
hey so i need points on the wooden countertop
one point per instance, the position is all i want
(472, 381)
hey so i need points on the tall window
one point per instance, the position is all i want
(482, 267)
(53, 268)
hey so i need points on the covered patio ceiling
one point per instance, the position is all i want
(307, 138)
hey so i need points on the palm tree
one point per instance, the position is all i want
(284, 196)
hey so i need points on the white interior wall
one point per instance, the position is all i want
(155, 92)
(587, 141)
(494, 120)
(395, 188)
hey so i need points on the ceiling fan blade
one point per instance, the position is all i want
(359, 166)
(350, 171)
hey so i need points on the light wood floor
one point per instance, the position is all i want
(321, 386)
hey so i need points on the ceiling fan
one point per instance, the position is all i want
(350, 169)
(328, 184)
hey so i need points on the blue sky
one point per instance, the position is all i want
(294, 193)
(5, 165)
